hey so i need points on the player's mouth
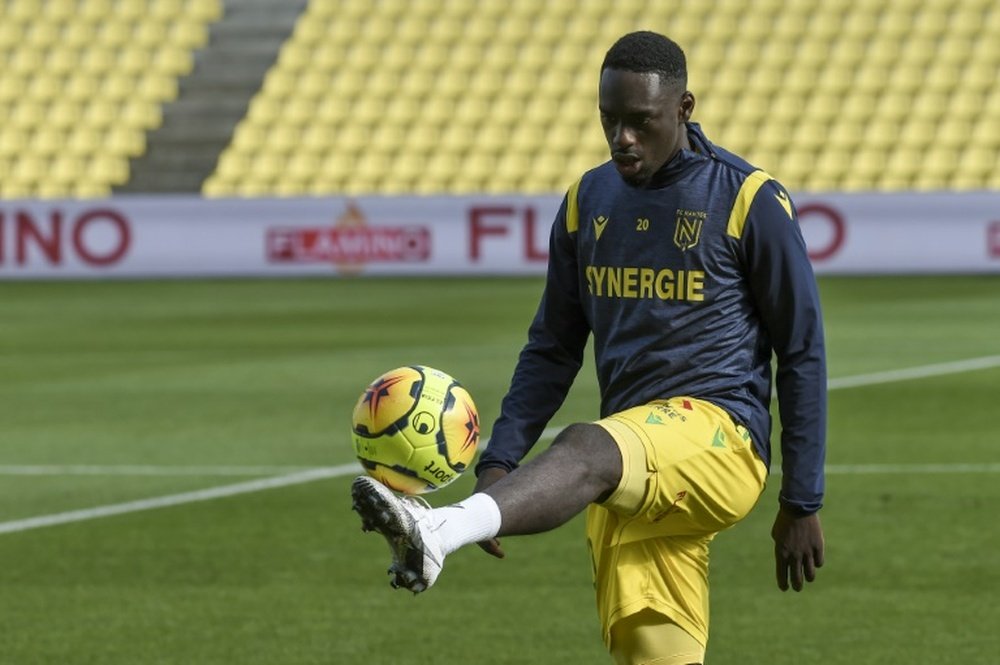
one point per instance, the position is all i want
(628, 165)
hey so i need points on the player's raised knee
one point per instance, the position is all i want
(595, 448)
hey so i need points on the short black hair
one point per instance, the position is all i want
(647, 51)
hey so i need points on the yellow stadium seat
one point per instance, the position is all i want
(905, 163)
(301, 168)
(419, 143)
(986, 129)
(967, 182)
(27, 115)
(267, 167)
(833, 163)
(26, 61)
(12, 88)
(295, 56)
(110, 169)
(61, 61)
(917, 133)
(334, 166)
(150, 34)
(126, 141)
(157, 87)
(30, 169)
(173, 60)
(44, 89)
(980, 75)
(117, 86)
(63, 114)
(894, 105)
(405, 168)
(298, 111)
(86, 189)
(42, 34)
(883, 133)
(131, 10)
(456, 137)
(231, 166)
(953, 133)
(205, 11)
(12, 142)
(99, 114)
(65, 170)
(386, 139)
(114, 33)
(977, 161)
(189, 34)
(478, 168)
(809, 135)
(867, 163)
(942, 77)
(141, 114)
(263, 110)
(440, 167)
(47, 142)
(10, 189)
(255, 187)
(846, 134)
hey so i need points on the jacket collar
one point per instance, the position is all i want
(684, 160)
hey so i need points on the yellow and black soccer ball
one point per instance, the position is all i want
(415, 429)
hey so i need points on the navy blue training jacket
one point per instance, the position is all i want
(688, 285)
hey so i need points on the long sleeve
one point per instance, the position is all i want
(785, 293)
(549, 362)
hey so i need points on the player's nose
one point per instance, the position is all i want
(622, 138)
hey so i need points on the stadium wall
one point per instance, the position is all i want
(152, 237)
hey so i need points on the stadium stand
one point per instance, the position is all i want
(184, 149)
(458, 96)
(81, 84)
(430, 96)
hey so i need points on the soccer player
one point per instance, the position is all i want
(687, 266)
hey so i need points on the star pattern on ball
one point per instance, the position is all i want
(378, 390)
(472, 425)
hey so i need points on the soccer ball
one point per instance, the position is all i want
(415, 429)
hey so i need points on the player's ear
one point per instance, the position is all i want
(686, 107)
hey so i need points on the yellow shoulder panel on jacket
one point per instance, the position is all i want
(573, 208)
(741, 208)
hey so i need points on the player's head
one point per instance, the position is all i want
(644, 103)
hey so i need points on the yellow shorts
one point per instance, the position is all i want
(688, 473)
(645, 637)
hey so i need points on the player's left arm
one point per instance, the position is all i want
(785, 292)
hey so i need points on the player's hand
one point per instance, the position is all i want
(485, 479)
(798, 548)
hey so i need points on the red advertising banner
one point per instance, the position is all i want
(489, 235)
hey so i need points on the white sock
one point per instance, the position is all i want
(472, 520)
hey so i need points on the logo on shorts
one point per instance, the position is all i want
(673, 507)
(666, 409)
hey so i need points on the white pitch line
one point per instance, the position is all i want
(889, 469)
(247, 487)
(921, 372)
(143, 470)
(310, 475)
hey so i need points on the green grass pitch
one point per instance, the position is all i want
(225, 375)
